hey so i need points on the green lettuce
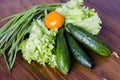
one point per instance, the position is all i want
(40, 45)
(74, 12)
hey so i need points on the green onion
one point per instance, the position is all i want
(13, 32)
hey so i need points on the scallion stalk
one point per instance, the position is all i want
(13, 32)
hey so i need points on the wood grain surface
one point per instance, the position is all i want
(106, 68)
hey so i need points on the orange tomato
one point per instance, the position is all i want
(54, 20)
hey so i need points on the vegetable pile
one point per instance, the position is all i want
(53, 34)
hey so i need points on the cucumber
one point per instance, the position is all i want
(62, 53)
(88, 40)
(77, 52)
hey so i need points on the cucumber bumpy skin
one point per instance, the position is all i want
(62, 53)
(77, 52)
(88, 40)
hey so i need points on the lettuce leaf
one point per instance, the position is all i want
(40, 45)
(74, 12)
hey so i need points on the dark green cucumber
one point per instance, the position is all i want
(88, 40)
(62, 53)
(77, 52)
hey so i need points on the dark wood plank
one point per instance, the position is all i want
(106, 68)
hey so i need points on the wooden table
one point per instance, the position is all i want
(106, 68)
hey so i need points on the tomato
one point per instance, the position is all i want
(54, 20)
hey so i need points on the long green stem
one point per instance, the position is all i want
(13, 33)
